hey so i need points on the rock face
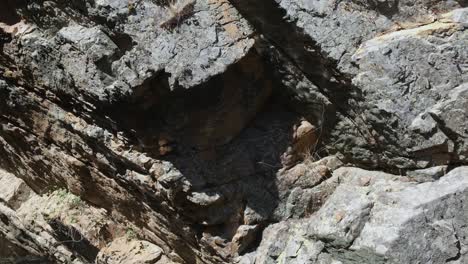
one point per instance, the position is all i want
(374, 217)
(376, 60)
(232, 131)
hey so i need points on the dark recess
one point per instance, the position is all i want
(8, 13)
(73, 240)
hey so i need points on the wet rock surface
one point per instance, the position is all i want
(232, 131)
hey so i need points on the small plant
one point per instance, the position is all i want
(67, 197)
(177, 11)
(73, 220)
(61, 193)
(130, 233)
(75, 201)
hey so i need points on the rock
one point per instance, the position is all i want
(415, 203)
(243, 238)
(117, 53)
(13, 191)
(135, 251)
(284, 243)
(204, 199)
(91, 40)
(304, 140)
(434, 88)
(451, 112)
(228, 131)
(429, 174)
(305, 187)
(385, 221)
(377, 55)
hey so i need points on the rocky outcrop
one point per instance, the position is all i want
(131, 251)
(375, 60)
(230, 131)
(373, 217)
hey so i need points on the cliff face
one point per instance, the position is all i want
(234, 131)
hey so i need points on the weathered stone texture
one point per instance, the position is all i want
(234, 131)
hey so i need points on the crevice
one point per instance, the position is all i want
(307, 56)
(104, 64)
(228, 162)
(452, 135)
(4, 219)
(71, 238)
(123, 41)
(388, 8)
(8, 14)
(458, 255)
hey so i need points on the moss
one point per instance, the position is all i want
(130, 233)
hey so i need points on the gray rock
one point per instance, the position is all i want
(110, 63)
(13, 191)
(374, 217)
(131, 251)
(376, 62)
(396, 89)
(429, 174)
(92, 41)
(285, 243)
(157, 131)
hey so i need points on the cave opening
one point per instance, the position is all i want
(8, 14)
(227, 137)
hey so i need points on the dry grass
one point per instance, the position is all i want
(177, 11)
